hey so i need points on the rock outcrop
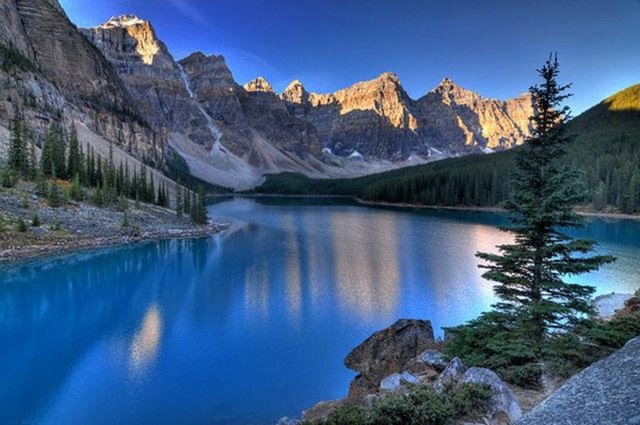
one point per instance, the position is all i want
(606, 305)
(387, 352)
(433, 358)
(451, 375)
(604, 393)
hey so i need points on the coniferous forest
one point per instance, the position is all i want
(66, 170)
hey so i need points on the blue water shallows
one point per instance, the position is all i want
(249, 325)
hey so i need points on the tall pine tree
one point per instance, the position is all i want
(18, 154)
(531, 273)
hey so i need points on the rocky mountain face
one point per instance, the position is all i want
(378, 119)
(122, 82)
(61, 74)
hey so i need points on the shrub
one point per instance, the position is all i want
(75, 190)
(36, 220)
(25, 202)
(349, 414)
(56, 197)
(526, 375)
(8, 178)
(421, 406)
(22, 226)
(123, 203)
(614, 333)
(98, 198)
(125, 220)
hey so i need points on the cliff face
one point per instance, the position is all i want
(69, 75)
(151, 75)
(462, 118)
(378, 119)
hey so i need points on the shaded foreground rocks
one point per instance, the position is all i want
(387, 352)
(607, 392)
(403, 355)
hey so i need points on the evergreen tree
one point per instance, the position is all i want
(18, 155)
(631, 195)
(151, 191)
(125, 220)
(187, 202)
(56, 196)
(159, 199)
(142, 184)
(194, 207)
(42, 187)
(179, 202)
(75, 190)
(83, 168)
(73, 163)
(91, 167)
(53, 158)
(33, 162)
(600, 197)
(529, 273)
(201, 207)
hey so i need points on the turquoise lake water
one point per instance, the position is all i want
(249, 325)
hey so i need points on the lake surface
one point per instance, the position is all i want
(249, 325)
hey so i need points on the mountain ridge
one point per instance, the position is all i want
(366, 127)
(230, 134)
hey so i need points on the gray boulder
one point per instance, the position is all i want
(433, 358)
(606, 305)
(607, 392)
(452, 374)
(503, 406)
(397, 381)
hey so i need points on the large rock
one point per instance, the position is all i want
(433, 358)
(503, 406)
(451, 375)
(607, 392)
(397, 381)
(386, 352)
(606, 305)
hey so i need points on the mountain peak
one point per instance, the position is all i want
(295, 93)
(123, 21)
(294, 85)
(259, 85)
(389, 76)
(447, 83)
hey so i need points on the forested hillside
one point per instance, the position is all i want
(606, 149)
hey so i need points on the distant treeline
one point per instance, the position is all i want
(606, 150)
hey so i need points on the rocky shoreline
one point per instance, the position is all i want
(76, 245)
(80, 226)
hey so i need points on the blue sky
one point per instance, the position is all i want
(490, 46)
